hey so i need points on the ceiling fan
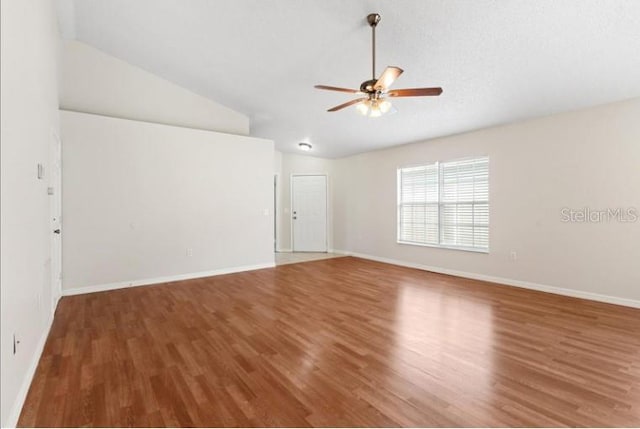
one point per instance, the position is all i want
(375, 92)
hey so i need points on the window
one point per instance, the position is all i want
(445, 204)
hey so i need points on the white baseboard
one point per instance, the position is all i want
(284, 250)
(167, 279)
(504, 281)
(14, 413)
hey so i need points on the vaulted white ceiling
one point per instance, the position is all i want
(498, 61)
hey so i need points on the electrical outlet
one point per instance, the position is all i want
(189, 252)
(513, 255)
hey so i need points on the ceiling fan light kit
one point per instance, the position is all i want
(374, 108)
(375, 92)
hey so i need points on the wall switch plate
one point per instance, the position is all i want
(265, 212)
(189, 252)
(513, 255)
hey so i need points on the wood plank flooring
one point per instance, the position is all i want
(338, 342)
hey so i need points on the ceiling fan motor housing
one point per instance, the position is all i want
(368, 86)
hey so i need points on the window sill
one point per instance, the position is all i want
(440, 246)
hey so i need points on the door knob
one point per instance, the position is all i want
(56, 231)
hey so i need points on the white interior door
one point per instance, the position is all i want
(309, 213)
(55, 210)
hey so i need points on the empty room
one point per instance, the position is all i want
(298, 213)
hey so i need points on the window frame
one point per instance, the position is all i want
(440, 204)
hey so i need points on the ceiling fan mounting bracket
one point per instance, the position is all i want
(373, 19)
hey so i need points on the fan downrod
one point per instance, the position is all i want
(373, 19)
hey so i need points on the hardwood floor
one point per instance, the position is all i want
(338, 342)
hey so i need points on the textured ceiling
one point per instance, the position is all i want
(498, 61)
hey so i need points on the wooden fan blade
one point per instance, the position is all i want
(389, 75)
(335, 88)
(347, 104)
(414, 92)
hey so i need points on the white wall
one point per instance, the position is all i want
(588, 158)
(288, 165)
(95, 82)
(29, 48)
(138, 195)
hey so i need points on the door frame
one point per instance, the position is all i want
(55, 156)
(276, 205)
(326, 209)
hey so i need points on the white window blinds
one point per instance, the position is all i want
(445, 204)
(419, 204)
